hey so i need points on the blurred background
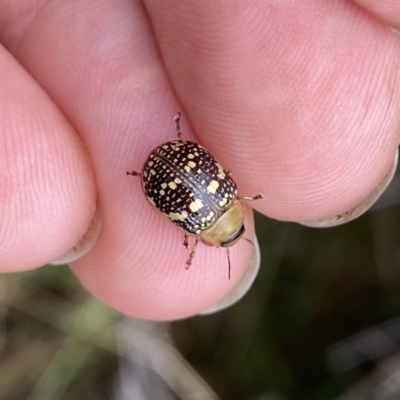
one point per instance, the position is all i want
(321, 322)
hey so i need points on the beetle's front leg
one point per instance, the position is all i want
(190, 259)
(186, 242)
(251, 198)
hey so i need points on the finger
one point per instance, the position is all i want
(97, 277)
(386, 10)
(47, 194)
(104, 71)
(299, 99)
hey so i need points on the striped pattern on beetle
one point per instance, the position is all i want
(184, 182)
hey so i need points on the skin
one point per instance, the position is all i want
(299, 100)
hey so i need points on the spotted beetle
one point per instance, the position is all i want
(184, 182)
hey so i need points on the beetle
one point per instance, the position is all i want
(184, 182)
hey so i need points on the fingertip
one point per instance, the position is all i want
(387, 11)
(304, 112)
(48, 192)
(140, 270)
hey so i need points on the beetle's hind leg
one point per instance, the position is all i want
(180, 134)
(190, 259)
(186, 242)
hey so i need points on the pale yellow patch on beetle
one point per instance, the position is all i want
(177, 180)
(212, 187)
(172, 185)
(178, 216)
(191, 164)
(226, 228)
(196, 205)
(190, 156)
(176, 146)
(210, 215)
(223, 202)
(221, 174)
(164, 185)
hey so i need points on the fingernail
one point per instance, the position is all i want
(360, 208)
(242, 287)
(395, 29)
(85, 244)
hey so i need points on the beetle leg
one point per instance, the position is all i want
(190, 259)
(186, 242)
(177, 118)
(181, 136)
(178, 127)
(251, 198)
(133, 173)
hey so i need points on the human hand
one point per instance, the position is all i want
(298, 100)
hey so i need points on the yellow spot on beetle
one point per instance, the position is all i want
(162, 192)
(172, 185)
(190, 156)
(164, 185)
(223, 202)
(191, 164)
(196, 205)
(177, 216)
(177, 180)
(212, 187)
(221, 173)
